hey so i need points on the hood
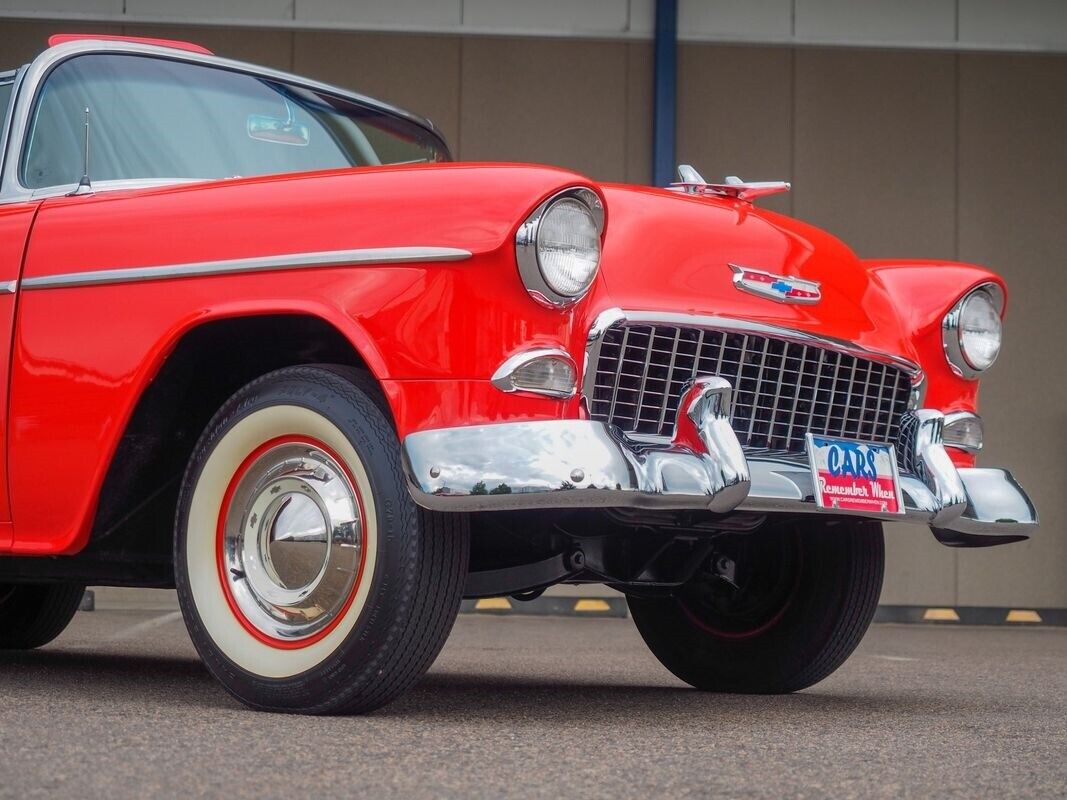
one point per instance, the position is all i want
(667, 251)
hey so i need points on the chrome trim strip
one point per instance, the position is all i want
(329, 258)
(950, 330)
(9, 287)
(502, 377)
(614, 316)
(34, 75)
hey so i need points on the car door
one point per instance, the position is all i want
(15, 221)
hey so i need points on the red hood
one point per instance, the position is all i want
(666, 251)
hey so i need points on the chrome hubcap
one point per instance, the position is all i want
(292, 541)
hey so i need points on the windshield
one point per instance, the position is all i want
(153, 118)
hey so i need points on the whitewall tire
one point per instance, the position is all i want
(308, 578)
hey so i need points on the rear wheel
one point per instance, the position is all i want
(800, 602)
(32, 615)
(309, 580)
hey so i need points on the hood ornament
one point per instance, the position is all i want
(779, 288)
(690, 182)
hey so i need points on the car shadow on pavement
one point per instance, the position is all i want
(65, 674)
(128, 677)
(445, 695)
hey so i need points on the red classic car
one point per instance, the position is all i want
(269, 346)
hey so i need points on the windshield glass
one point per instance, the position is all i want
(153, 118)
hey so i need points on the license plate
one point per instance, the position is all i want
(854, 476)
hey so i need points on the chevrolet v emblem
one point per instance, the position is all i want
(779, 288)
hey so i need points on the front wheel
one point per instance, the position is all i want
(309, 580)
(800, 601)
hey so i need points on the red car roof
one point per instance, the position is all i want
(60, 38)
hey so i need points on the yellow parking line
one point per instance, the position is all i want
(941, 615)
(493, 604)
(592, 605)
(1022, 615)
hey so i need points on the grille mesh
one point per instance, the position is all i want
(782, 389)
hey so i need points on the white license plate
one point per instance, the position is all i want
(854, 476)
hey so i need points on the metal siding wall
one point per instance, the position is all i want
(900, 153)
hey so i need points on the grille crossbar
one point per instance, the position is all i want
(782, 389)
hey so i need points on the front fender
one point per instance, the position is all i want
(923, 292)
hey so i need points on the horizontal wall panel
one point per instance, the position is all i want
(901, 22)
(556, 16)
(403, 14)
(755, 20)
(74, 7)
(917, 24)
(1039, 24)
(205, 10)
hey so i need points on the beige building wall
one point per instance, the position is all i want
(900, 152)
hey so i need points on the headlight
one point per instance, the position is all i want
(971, 331)
(558, 247)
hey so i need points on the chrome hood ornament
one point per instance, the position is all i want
(779, 288)
(690, 182)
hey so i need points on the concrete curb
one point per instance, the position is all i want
(972, 615)
(578, 606)
(548, 607)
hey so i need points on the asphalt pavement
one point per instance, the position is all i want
(119, 706)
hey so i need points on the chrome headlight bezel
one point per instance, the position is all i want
(951, 331)
(527, 255)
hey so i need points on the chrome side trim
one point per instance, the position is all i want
(34, 75)
(950, 330)
(329, 258)
(615, 316)
(9, 287)
(502, 377)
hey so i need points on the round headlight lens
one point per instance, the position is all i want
(979, 331)
(568, 247)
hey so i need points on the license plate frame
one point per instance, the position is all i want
(854, 479)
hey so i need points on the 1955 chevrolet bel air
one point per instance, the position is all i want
(268, 346)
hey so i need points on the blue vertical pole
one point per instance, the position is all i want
(664, 93)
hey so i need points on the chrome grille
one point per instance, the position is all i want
(782, 389)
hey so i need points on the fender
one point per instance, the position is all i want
(83, 355)
(923, 291)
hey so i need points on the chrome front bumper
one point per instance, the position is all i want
(585, 464)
